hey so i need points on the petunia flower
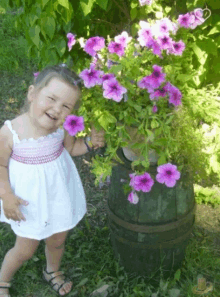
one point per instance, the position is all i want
(174, 94)
(93, 45)
(154, 109)
(71, 40)
(158, 93)
(185, 20)
(73, 124)
(156, 78)
(145, 2)
(144, 83)
(36, 74)
(145, 33)
(91, 77)
(198, 18)
(164, 41)
(113, 90)
(107, 76)
(123, 39)
(162, 27)
(176, 48)
(143, 182)
(133, 198)
(116, 48)
(168, 174)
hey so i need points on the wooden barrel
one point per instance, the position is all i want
(153, 233)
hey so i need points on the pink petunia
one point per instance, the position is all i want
(158, 93)
(164, 41)
(91, 77)
(168, 174)
(185, 20)
(107, 76)
(93, 45)
(116, 48)
(143, 182)
(123, 39)
(145, 2)
(71, 40)
(36, 74)
(154, 109)
(176, 48)
(113, 90)
(73, 124)
(133, 198)
(174, 94)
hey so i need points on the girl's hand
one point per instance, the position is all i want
(11, 208)
(97, 138)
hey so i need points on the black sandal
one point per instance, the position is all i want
(4, 285)
(54, 274)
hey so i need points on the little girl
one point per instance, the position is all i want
(42, 196)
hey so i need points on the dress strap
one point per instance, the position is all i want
(15, 135)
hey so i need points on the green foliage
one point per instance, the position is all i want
(206, 195)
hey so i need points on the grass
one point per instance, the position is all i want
(89, 260)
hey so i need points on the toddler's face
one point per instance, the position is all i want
(56, 100)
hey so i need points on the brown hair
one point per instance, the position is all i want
(58, 71)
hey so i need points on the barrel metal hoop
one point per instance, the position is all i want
(150, 229)
(165, 244)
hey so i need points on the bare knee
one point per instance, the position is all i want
(56, 240)
(25, 247)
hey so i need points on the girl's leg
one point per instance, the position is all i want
(54, 249)
(22, 251)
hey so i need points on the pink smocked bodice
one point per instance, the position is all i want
(37, 151)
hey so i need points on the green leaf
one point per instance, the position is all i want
(102, 3)
(133, 13)
(154, 124)
(32, 19)
(86, 6)
(48, 26)
(116, 68)
(34, 35)
(201, 55)
(44, 2)
(60, 45)
(105, 119)
(64, 3)
(162, 159)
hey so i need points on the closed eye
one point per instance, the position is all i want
(54, 100)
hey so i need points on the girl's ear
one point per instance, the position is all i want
(30, 94)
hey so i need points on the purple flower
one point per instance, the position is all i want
(145, 33)
(91, 77)
(154, 109)
(145, 2)
(164, 41)
(158, 93)
(177, 48)
(157, 77)
(113, 90)
(198, 18)
(133, 198)
(123, 39)
(71, 40)
(36, 74)
(73, 124)
(185, 20)
(132, 176)
(174, 94)
(144, 83)
(162, 27)
(168, 174)
(143, 182)
(107, 76)
(154, 44)
(116, 48)
(94, 44)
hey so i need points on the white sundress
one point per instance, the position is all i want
(42, 172)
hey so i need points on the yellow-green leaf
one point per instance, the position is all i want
(64, 3)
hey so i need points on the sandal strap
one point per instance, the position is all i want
(4, 285)
(54, 275)
(65, 280)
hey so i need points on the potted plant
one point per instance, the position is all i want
(137, 89)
